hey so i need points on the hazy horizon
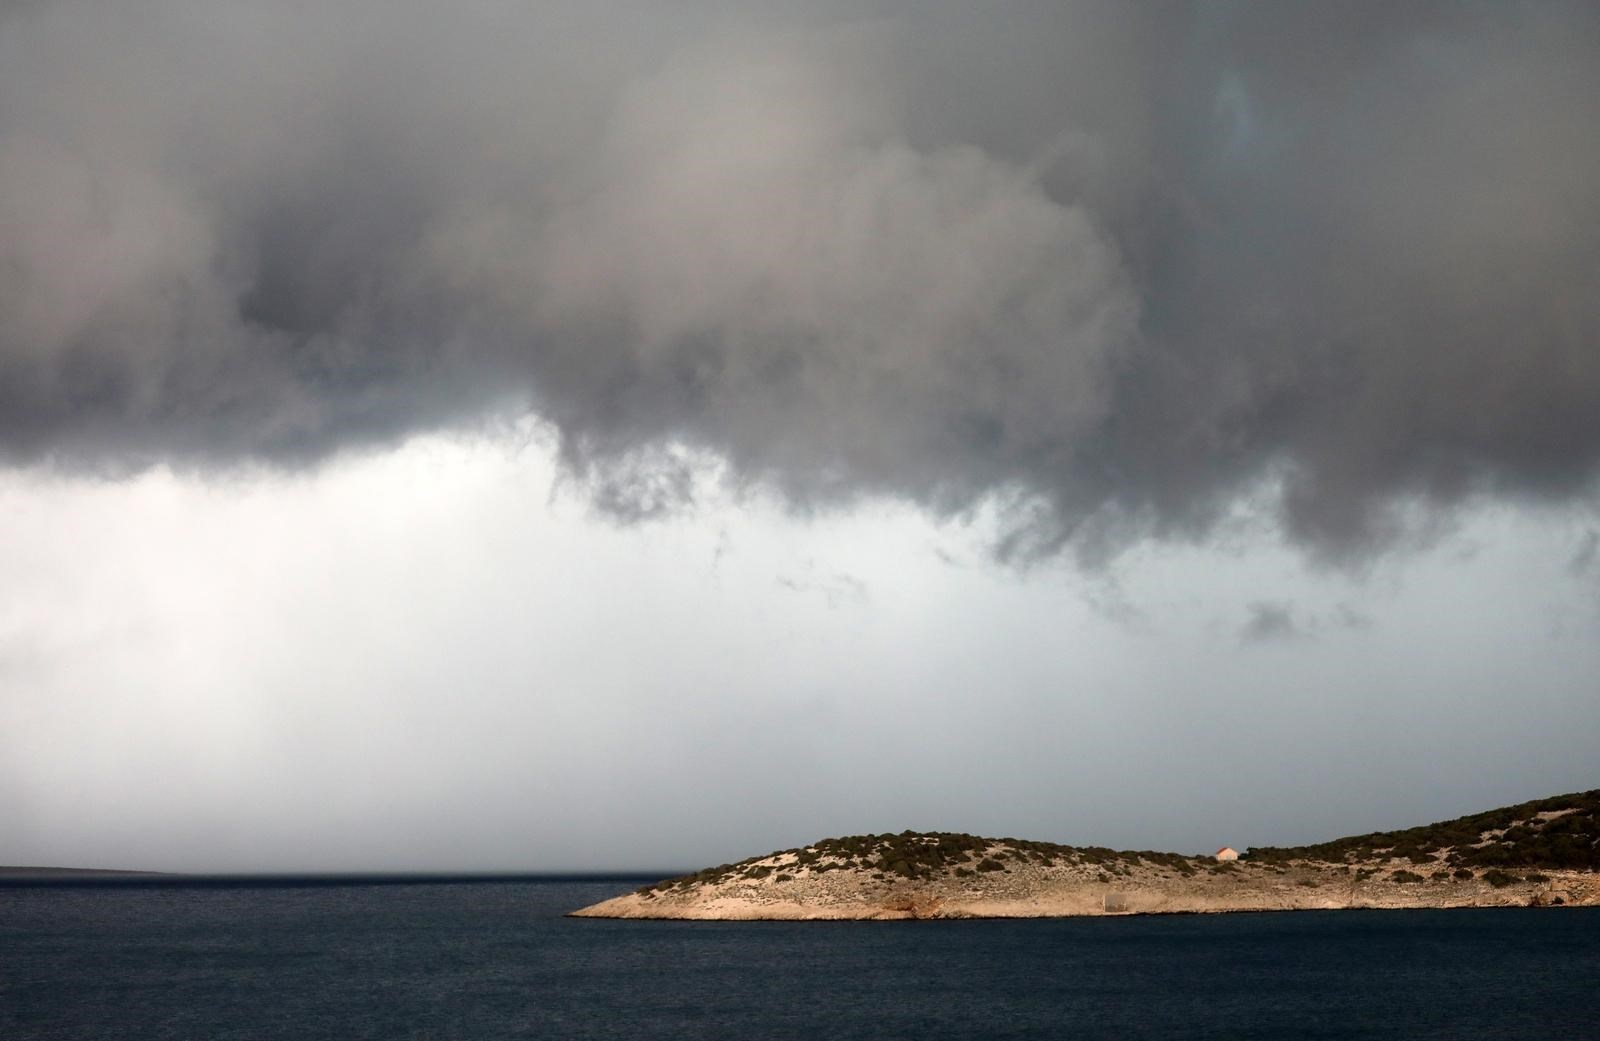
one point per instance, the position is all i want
(598, 436)
(640, 870)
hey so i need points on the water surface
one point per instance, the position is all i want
(482, 961)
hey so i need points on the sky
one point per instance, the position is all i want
(611, 436)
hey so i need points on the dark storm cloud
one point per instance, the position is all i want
(1114, 265)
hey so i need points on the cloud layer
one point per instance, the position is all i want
(1117, 267)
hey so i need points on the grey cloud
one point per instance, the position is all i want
(1587, 552)
(1271, 621)
(835, 589)
(1114, 267)
(1347, 617)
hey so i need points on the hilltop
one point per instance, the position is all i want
(1545, 852)
(1562, 831)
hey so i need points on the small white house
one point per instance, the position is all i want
(1227, 853)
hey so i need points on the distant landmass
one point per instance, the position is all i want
(1541, 853)
(65, 872)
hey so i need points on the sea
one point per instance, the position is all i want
(386, 959)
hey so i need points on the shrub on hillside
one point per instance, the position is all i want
(1525, 840)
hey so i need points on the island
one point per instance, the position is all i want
(1544, 853)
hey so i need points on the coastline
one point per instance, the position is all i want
(808, 884)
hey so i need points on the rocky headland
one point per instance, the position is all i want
(1543, 853)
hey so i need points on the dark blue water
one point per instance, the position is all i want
(485, 961)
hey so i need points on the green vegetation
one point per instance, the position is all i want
(1508, 837)
(926, 855)
(1405, 877)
